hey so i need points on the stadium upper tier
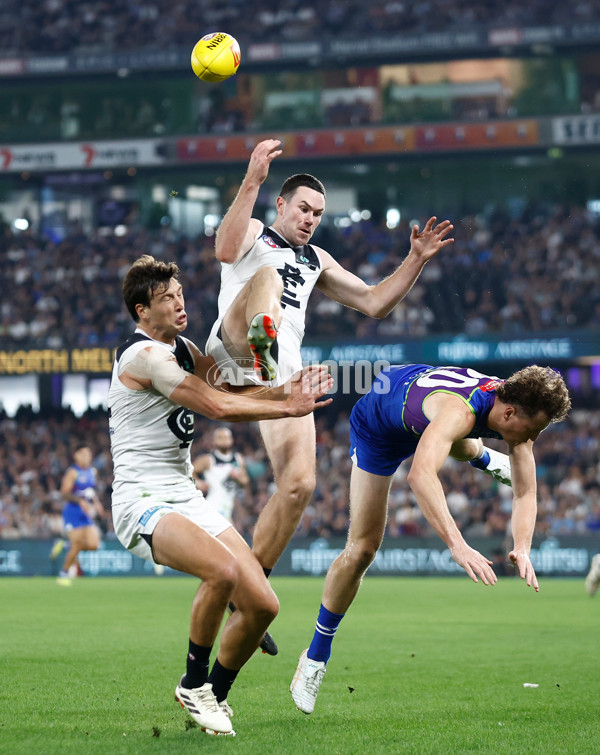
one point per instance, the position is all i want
(535, 272)
(34, 27)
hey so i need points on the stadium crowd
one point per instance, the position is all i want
(35, 450)
(504, 275)
(64, 26)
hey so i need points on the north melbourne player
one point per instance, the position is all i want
(433, 413)
(78, 489)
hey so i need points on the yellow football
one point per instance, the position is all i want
(216, 57)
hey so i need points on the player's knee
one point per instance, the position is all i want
(228, 575)
(298, 490)
(268, 608)
(360, 555)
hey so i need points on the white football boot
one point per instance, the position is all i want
(498, 466)
(306, 682)
(202, 705)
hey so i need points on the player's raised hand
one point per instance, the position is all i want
(261, 157)
(526, 571)
(474, 563)
(428, 242)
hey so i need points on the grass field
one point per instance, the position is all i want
(419, 666)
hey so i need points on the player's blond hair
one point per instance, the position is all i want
(537, 389)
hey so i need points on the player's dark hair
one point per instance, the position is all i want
(291, 184)
(145, 278)
(537, 389)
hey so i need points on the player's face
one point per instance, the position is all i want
(223, 439)
(299, 216)
(166, 314)
(83, 457)
(518, 427)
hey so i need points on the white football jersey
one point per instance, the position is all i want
(150, 435)
(221, 488)
(299, 268)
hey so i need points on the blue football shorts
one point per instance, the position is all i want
(74, 517)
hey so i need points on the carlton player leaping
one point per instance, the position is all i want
(268, 274)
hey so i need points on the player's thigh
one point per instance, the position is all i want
(77, 537)
(234, 321)
(369, 495)
(91, 535)
(466, 448)
(253, 588)
(183, 545)
(291, 445)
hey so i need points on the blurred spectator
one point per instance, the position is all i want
(64, 26)
(532, 273)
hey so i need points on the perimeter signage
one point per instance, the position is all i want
(56, 361)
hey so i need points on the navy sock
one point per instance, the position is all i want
(221, 679)
(327, 624)
(482, 462)
(197, 666)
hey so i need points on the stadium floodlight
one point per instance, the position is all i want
(392, 217)
(21, 224)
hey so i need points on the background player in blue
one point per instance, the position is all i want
(433, 413)
(78, 488)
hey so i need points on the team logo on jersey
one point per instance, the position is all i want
(269, 242)
(181, 424)
(491, 385)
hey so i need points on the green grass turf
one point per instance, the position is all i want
(435, 665)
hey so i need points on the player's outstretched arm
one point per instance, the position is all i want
(154, 367)
(299, 397)
(432, 450)
(524, 510)
(378, 301)
(238, 229)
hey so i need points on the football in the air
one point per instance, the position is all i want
(216, 57)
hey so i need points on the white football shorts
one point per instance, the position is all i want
(134, 522)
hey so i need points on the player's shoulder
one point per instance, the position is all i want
(327, 260)
(190, 345)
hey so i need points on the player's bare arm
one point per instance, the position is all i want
(240, 474)
(524, 510)
(451, 420)
(202, 464)
(153, 367)
(378, 301)
(238, 228)
(66, 490)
